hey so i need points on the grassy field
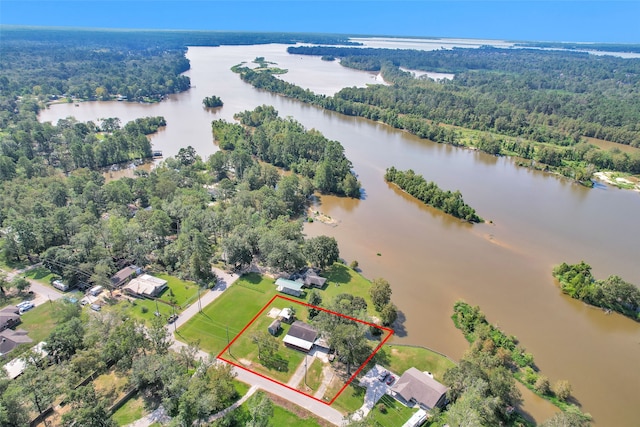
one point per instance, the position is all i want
(141, 309)
(287, 414)
(132, 410)
(41, 275)
(399, 358)
(232, 311)
(343, 280)
(39, 322)
(180, 292)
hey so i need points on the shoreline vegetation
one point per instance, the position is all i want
(212, 102)
(430, 194)
(491, 347)
(552, 144)
(611, 294)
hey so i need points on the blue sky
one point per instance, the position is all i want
(596, 21)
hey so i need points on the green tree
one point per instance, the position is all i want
(65, 340)
(260, 410)
(316, 300)
(389, 314)
(321, 251)
(562, 389)
(380, 292)
(87, 409)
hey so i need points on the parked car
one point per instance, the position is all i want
(172, 318)
(390, 379)
(25, 306)
(95, 307)
(382, 375)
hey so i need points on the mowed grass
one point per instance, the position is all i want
(141, 309)
(39, 322)
(350, 400)
(244, 350)
(343, 280)
(41, 275)
(399, 358)
(132, 410)
(396, 414)
(179, 292)
(314, 377)
(232, 311)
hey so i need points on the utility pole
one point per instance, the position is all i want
(199, 302)
(305, 370)
(175, 319)
(157, 310)
(229, 346)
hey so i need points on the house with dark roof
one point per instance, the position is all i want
(289, 287)
(121, 277)
(10, 339)
(312, 280)
(301, 336)
(9, 318)
(417, 388)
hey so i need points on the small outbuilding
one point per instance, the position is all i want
(289, 287)
(275, 327)
(145, 286)
(286, 315)
(301, 336)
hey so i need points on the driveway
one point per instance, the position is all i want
(375, 389)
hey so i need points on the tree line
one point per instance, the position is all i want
(285, 143)
(430, 194)
(612, 293)
(570, 157)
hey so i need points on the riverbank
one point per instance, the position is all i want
(619, 180)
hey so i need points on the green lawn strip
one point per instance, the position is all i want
(41, 275)
(233, 310)
(282, 417)
(314, 377)
(351, 398)
(39, 322)
(131, 411)
(396, 414)
(343, 280)
(241, 388)
(399, 358)
(182, 292)
(286, 413)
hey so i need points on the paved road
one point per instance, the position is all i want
(43, 293)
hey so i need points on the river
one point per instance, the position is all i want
(430, 259)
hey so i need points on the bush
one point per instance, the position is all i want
(144, 309)
(382, 408)
(354, 264)
(542, 385)
(562, 389)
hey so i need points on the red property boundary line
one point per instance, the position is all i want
(388, 330)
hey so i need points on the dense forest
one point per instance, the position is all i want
(430, 194)
(535, 105)
(612, 293)
(286, 144)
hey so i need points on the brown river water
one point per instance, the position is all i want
(430, 259)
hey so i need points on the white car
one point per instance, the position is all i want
(25, 306)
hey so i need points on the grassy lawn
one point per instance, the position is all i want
(288, 414)
(340, 280)
(399, 358)
(41, 275)
(241, 388)
(12, 300)
(141, 309)
(350, 400)
(111, 386)
(232, 311)
(131, 411)
(180, 292)
(282, 417)
(39, 322)
(396, 414)
(314, 377)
